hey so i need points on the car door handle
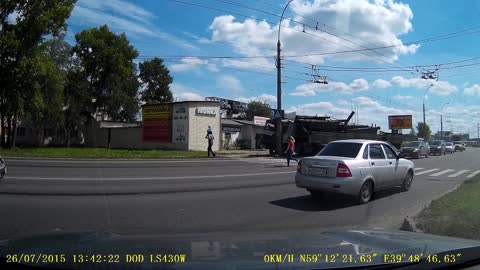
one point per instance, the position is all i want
(373, 163)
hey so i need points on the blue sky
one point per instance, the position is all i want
(382, 82)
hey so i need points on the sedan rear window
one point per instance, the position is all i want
(341, 149)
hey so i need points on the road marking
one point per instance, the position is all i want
(417, 169)
(442, 172)
(473, 174)
(130, 161)
(458, 173)
(427, 171)
(143, 178)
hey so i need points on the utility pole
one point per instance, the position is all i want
(478, 131)
(426, 91)
(279, 139)
(441, 126)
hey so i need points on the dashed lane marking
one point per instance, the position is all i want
(473, 174)
(427, 171)
(458, 173)
(442, 172)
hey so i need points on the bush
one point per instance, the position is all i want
(243, 143)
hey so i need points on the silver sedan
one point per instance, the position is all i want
(354, 167)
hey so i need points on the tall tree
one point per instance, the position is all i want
(258, 108)
(156, 81)
(423, 131)
(23, 25)
(107, 66)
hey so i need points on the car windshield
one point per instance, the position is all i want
(202, 120)
(341, 149)
(413, 144)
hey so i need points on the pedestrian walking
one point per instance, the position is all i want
(290, 151)
(210, 144)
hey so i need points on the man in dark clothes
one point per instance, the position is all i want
(210, 144)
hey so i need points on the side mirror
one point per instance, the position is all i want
(400, 155)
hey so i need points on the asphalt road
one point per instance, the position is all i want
(202, 196)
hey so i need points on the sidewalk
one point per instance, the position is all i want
(224, 154)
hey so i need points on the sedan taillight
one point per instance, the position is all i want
(299, 166)
(343, 170)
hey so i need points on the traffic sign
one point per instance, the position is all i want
(276, 114)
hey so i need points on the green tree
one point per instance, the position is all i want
(423, 131)
(156, 81)
(23, 26)
(258, 108)
(106, 61)
(412, 132)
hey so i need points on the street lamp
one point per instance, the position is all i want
(424, 103)
(279, 85)
(441, 119)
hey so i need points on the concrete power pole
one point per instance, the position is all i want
(279, 139)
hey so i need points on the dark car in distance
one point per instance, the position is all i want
(416, 149)
(438, 147)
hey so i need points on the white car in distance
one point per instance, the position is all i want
(354, 167)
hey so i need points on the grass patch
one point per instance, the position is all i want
(455, 214)
(51, 152)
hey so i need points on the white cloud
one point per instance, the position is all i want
(122, 8)
(263, 97)
(122, 16)
(185, 93)
(400, 97)
(442, 88)
(229, 83)
(380, 83)
(255, 63)
(474, 90)
(378, 22)
(320, 108)
(311, 89)
(189, 63)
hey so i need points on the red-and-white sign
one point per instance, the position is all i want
(260, 121)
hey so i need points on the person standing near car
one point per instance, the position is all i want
(290, 150)
(210, 143)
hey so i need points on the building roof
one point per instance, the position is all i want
(192, 101)
(244, 122)
(230, 122)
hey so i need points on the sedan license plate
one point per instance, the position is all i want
(318, 171)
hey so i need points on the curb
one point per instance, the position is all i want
(409, 223)
(225, 157)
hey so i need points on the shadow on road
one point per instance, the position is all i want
(307, 203)
(328, 203)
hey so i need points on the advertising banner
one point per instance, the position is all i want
(157, 123)
(400, 121)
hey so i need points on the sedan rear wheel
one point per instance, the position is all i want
(366, 192)
(407, 182)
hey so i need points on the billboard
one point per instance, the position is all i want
(157, 123)
(260, 121)
(400, 122)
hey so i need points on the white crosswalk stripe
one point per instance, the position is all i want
(418, 169)
(442, 172)
(473, 174)
(425, 172)
(458, 173)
